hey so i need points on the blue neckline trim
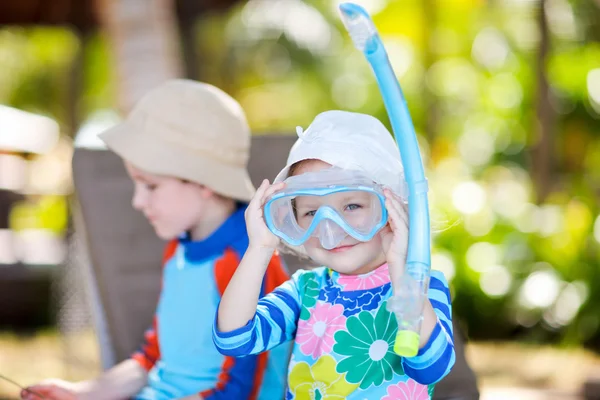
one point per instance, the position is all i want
(231, 234)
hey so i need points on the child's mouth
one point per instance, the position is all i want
(342, 248)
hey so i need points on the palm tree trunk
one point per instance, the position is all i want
(144, 39)
(431, 101)
(542, 151)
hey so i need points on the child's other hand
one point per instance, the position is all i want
(53, 389)
(394, 237)
(259, 234)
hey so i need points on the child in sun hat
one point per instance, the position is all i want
(186, 147)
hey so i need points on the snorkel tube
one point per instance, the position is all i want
(410, 293)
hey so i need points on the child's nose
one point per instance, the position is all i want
(139, 200)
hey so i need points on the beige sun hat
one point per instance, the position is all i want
(188, 130)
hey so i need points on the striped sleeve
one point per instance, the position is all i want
(275, 322)
(241, 378)
(435, 360)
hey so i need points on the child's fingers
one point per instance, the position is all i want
(392, 221)
(43, 390)
(401, 218)
(386, 230)
(393, 203)
(396, 196)
(255, 202)
(260, 192)
(395, 218)
(388, 207)
(390, 193)
(272, 189)
(400, 206)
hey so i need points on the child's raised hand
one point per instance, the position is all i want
(259, 234)
(394, 237)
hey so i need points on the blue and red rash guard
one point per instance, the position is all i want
(178, 351)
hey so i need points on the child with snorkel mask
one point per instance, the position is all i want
(341, 200)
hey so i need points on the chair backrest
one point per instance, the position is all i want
(124, 273)
(124, 254)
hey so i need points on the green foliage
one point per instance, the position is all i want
(469, 71)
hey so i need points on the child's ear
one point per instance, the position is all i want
(205, 191)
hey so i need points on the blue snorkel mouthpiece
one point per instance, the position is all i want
(410, 292)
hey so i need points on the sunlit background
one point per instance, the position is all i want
(504, 94)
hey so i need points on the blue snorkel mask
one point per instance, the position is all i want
(328, 205)
(411, 292)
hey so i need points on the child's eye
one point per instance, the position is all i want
(150, 186)
(310, 213)
(353, 207)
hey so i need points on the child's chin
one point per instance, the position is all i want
(347, 267)
(165, 234)
(344, 262)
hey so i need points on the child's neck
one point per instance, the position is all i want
(372, 266)
(219, 213)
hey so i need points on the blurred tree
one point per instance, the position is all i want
(141, 34)
(502, 92)
(506, 97)
(542, 146)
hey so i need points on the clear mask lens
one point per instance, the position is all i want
(330, 234)
(330, 214)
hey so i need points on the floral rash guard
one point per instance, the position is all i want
(344, 337)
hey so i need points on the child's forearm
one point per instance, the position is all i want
(238, 304)
(436, 354)
(120, 382)
(429, 322)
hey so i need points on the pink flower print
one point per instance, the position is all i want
(370, 280)
(409, 390)
(315, 336)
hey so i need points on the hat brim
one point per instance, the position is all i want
(160, 157)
